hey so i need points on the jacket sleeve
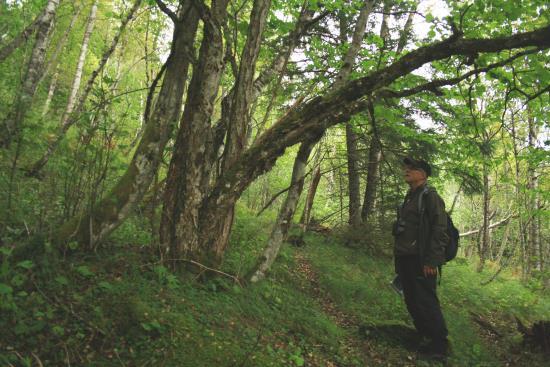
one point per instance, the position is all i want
(434, 254)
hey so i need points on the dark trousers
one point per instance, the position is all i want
(421, 298)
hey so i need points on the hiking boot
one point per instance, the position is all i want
(434, 351)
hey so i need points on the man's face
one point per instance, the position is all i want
(412, 174)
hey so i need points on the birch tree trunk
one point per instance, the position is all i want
(71, 113)
(75, 86)
(54, 61)
(24, 35)
(110, 212)
(11, 126)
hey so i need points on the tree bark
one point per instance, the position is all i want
(284, 219)
(11, 126)
(375, 156)
(108, 214)
(22, 37)
(188, 176)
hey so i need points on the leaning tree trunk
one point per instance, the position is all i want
(93, 226)
(11, 126)
(311, 192)
(71, 111)
(24, 35)
(284, 218)
(286, 212)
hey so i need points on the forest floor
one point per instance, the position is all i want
(323, 304)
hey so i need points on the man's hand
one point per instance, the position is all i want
(429, 271)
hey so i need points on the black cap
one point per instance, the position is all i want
(418, 164)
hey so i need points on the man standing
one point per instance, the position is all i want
(420, 238)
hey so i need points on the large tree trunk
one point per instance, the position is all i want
(71, 112)
(284, 218)
(193, 158)
(11, 126)
(108, 214)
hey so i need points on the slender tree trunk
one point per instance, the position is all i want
(129, 190)
(484, 245)
(75, 86)
(11, 126)
(22, 37)
(284, 218)
(73, 108)
(308, 205)
(375, 156)
(351, 136)
(533, 243)
(54, 62)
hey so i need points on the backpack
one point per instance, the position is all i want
(451, 247)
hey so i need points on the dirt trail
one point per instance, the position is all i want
(352, 345)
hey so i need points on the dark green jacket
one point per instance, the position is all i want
(426, 235)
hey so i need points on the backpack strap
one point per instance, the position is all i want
(421, 208)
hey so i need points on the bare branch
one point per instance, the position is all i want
(166, 10)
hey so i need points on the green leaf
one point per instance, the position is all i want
(84, 271)
(62, 280)
(25, 264)
(105, 285)
(5, 289)
(58, 330)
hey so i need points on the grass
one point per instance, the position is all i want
(119, 307)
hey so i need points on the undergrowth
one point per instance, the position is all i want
(120, 306)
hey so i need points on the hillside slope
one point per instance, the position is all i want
(324, 304)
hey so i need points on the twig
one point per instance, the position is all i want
(38, 361)
(235, 278)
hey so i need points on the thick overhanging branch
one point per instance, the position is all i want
(324, 111)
